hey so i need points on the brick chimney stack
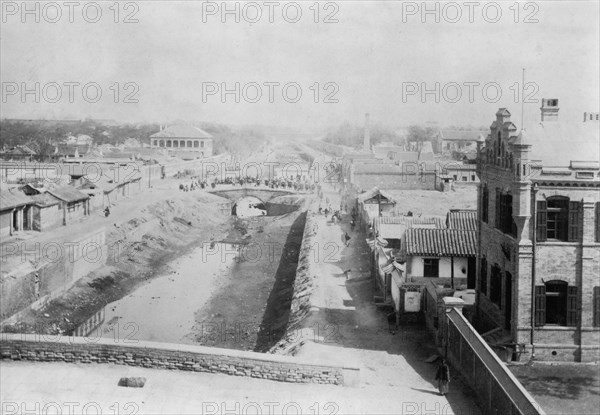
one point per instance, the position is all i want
(549, 109)
(367, 136)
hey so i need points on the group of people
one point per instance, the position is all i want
(193, 185)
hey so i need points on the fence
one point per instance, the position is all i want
(498, 390)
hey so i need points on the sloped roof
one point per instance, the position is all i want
(68, 194)
(44, 200)
(393, 227)
(12, 199)
(439, 242)
(462, 219)
(369, 194)
(182, 131)
(557, 143)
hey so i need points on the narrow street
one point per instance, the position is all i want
(351, 329)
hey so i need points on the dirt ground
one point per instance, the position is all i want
(562, 389)
(248, 310)
(137, 263)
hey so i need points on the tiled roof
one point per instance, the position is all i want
(68, 194)
(439, 242)
(393, 227)
(462, 219)
(181, 131)
(370, 194)
(10, 200)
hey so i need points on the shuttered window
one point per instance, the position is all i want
(542, 217)
(597, 221)
(485, 204)
(572, 314)
(574, 220)
(498, 212)
(483, 276)
(596, 306)
(540, 305)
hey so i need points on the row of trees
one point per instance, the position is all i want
(42, 136)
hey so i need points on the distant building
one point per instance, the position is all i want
(539, 211)
(449, 140)
(185, 139)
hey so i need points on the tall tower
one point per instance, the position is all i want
(367, 136)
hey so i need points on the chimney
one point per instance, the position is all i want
(367, 136)
(549, 109)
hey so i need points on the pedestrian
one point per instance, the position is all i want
(443, 377)
(106, 212)
(352, 224)
(347, 239)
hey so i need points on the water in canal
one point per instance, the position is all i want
(163, 310)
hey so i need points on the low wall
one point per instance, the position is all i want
(35, 347)
(498, 390)
(58, 267)
(304, 285)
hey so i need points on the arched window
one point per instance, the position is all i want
(161, 143)
(169, 143)
(189, 143)
(196, 143)
(175, 143)
(556, 303)
(181, 143)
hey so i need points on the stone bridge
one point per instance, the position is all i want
(264, 194)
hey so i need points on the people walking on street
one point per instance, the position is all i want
(443, 377)
(106, 212)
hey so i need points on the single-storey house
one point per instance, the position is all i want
(15, 212)
(441, 254)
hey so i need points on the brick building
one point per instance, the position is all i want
(539, 213)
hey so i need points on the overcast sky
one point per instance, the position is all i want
(375, 47)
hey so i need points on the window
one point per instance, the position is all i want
(596, 306)
(556, 303)
(431, 267)
(189, 144)
(196, 143)
(472, 177)
(485, 202)
(558, 219)
(496, 285)
(483, 276)
(597, 221)
(504, 214)
(202, 144)
(168, 143)
(464, 178)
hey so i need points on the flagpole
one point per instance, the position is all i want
(522, 99)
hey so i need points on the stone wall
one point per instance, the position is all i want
(58, 267)
(41, 348)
